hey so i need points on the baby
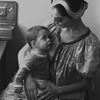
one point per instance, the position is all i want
(38, 65)
(36, 71)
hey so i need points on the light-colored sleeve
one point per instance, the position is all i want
(90, 59)
(21, 55)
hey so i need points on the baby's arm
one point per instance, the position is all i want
(21, 74)
(19, 78)
(24, 70)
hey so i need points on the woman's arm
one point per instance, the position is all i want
(73, 88)
(53, 91)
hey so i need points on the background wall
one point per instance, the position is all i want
(92, 16)
(32, 12)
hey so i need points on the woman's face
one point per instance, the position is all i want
(60, 20)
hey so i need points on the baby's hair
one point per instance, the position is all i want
(33, 33)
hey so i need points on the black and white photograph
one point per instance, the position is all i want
(49, 49)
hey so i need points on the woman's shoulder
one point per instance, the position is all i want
(92, 39)
(90, 47)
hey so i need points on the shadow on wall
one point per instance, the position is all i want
(9, 62)
(95, 94)
(92, 19)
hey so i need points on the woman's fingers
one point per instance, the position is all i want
(49, 97)
(45, 95)
(30, 95)
(42, 93)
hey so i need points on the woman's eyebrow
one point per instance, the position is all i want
(56, 17)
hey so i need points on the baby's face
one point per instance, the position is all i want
(43, 41)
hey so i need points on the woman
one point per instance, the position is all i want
(74, 53)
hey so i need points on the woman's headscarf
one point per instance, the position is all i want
(75, 8)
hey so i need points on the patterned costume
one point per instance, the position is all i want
(73, 61)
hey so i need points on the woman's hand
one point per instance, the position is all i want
(49, 93)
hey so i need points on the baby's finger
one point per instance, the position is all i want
(16, 90)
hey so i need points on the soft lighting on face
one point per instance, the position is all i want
(55, 13)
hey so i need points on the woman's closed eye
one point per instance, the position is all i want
(58, 19)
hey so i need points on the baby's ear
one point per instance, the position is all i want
(32, 43)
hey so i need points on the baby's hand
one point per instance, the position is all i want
(18, 88)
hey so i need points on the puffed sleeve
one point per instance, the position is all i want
(90, 59)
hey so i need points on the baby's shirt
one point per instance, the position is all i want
(36, 64)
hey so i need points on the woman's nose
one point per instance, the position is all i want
(56, 21)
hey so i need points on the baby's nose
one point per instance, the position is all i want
(48, 40)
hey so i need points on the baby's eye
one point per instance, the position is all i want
(49, 37)
(60, 20)
(44, 38)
